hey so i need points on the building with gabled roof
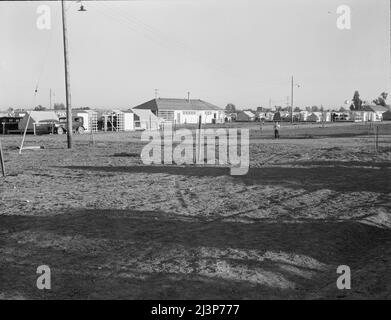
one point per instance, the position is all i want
(369, 113)
(387, 115)
(184, 111)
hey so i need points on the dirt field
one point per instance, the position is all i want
(111, 227)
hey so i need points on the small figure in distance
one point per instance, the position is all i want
(276, 130)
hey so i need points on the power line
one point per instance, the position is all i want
(169, 43)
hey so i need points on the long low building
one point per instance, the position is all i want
(184, 111)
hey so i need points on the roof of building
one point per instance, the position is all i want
(39, 116)
(375, 108)
(145, 114)
(313, 115)
(248, 113)
(177, 104)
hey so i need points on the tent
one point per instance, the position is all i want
(37, 117)
(313, 118)
(245, 116)
(144, 119)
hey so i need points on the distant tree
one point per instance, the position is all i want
(381, 101)
(230, 108)
(39, 108)
(278, 108)
(342, 109)
(314, 109)
(59, 106)
(11, 112)
(321, 108)
(297, 109)
(356, 102)
(308, 109)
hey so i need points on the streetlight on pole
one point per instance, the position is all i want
(292, 86)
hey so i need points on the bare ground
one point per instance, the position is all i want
(111, 227)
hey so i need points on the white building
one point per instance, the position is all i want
(118, 120)
(184, 111)
(90, 119)
(375, 113)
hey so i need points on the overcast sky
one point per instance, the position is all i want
(239, 51)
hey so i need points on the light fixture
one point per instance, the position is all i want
(82, 7)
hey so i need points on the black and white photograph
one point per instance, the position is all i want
(203, 151)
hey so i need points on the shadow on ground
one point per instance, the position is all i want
(336, 178)
(145, 255)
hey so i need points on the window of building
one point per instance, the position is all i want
(166, 115)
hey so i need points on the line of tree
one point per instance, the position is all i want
(230, 108)
(381, 101)
(59, 106)
(39, 108)
(357, 103)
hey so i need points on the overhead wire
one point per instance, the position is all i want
(170, 43)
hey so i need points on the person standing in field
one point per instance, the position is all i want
(261, 124)
(276, 130)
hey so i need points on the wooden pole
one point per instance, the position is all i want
(90, 122)
(25, 131)
(292, 99)
(2, 160)
(67, 79)
(199, 137)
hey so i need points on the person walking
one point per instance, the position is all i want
(276, 130)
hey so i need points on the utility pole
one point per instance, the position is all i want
(67, 84)
(156, 93)
(50, 99)
(292, 100)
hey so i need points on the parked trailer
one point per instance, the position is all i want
(9, 124)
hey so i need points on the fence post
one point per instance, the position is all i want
(377, 138)
(199, 139)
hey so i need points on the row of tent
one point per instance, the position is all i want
(119, 120)
(369, 113)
